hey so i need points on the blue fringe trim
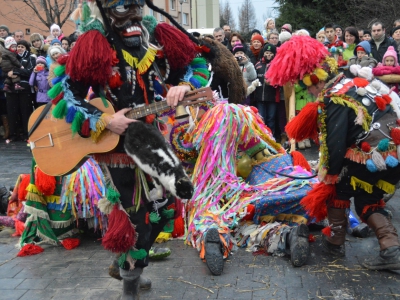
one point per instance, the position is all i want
(57, 79)
(195, 82)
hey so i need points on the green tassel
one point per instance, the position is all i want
(85, 12)
(168, 213)
(103, 98)
(55, 90)
(203, 71)
(198, 60)
(59, 70)
(77, 122)
(150, 23)
(154, 218)
(169, 227)
(61, 109)
(138, 254)
(202, 81)
(113, 195)
(121, 260)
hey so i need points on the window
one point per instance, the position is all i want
(151, 12)
(160, 17)
(185, 19)
(172, 4)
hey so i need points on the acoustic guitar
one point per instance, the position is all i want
(59, 152)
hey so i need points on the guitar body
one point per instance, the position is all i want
(57, 151)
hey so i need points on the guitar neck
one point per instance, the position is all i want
(146, 110)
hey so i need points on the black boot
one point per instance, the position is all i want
(361, 231)
(213, 252)
(130, 289)
(388, 259)
(386, 233)
(299, 245)
(113, 271)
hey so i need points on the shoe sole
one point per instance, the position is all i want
(386, 267)
(213, 254)
(300, 251)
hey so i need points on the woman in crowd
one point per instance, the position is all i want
(257, 43)
(38, 46)
(20, 103)
(237, 38)
(65, 44)
(321, 36)
(352, 39)
(54, 53)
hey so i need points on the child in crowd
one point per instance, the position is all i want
(53, 53)
(39, 81)
(390, 66)
(361, 63)
(10, 62)
(248, 70)
(56, 32)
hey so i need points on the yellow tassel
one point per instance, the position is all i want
(355, 182)
(163, 237)
(52, 199)
(35, 198)
(132, 61)
(386, 186)
(100, 126)
(31, 188)
(147, 60)
(144, 64)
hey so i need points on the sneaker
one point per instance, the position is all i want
(17, 87)
(307, 143)
(6, 88)
(157, 253)
(301, 145)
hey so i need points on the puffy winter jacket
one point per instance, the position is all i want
(39, 80)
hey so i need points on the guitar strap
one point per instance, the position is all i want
(159, 75)
(40, 118)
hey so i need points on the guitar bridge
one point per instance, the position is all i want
(50, 141)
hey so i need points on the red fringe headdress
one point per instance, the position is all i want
(295, 58)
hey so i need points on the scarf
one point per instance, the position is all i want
(255, 52)
(379, 41)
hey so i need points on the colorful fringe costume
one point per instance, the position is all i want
(357, 125)
(54, 203)
(221, 195)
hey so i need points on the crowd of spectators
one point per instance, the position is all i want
(363, 52)
(26, 72)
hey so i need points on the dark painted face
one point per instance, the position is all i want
(125, 21)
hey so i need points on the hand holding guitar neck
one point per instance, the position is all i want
(118, 123)
(176, 94)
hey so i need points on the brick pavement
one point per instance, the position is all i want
(82, 273)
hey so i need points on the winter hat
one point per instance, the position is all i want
(393, 30)
(35, 37)
(54, 41)
(255, 31)
(365, 45)
(55, 49)
(287, 27)
(41, 60)
(26, 44)
(238, 47)
(9, 41)
(5, 28)
(367, 32)
(259, 38)
(269, 47)
(267, 21)
(284, 36)
(54, 26)
(391, 52)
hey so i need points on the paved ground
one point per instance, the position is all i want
(82, 273)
